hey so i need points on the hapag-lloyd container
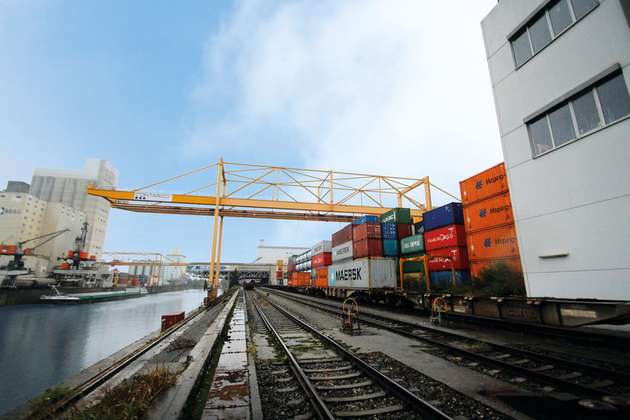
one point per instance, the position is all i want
(366, 231)
(321, 277)
(389, 231)
(449, 258)
(367, 248)
(397, 215)
(363, 273)
(491, 212)
(342, 252)
(492, 243)
(342, 236)
(390, 247)
(322, 246)
(477, 267)
(449, 214)
(322, 259)
(403, 230)
(485, 184)
(447, 236)
(412, 244)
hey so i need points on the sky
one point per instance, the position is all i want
(159, 87)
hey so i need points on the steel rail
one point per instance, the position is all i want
(103, 376)
(559, 362)
(415, 403)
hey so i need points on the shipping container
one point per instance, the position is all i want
(321, 260)
(415, 282)
(365, 219)
(390, 247)
(492, 243)
(418, 227)
(389, 231)
(447, 236)
(448, 258)
(477, 267)
(342, 252)
(491, 212)
(485, 184)
(342, 236)
(364, 273)
(404, 230)
(412, 244)
(322, 246)
(449, 214)
(444, 279)
(397, 215)
(366, 231)
(8, 249)
(301, 279)
(367, 248)
(413, 266)
(321, 277)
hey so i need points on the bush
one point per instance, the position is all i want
(499, 280)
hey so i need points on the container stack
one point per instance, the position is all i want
(302, 275)
(321, 258)
(395, 225)
(489, 221)
(367, 237)
(445, 242)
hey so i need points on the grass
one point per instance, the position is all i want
(42, 406)
(131, 399)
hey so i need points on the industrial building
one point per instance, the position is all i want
(560, 77)
(70, 189)
(266, 254)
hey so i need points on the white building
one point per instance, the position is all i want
(271, 254)
(69, 188)
(24, 217)
(560, 78)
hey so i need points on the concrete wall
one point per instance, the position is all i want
(21, 217)
(575, 199)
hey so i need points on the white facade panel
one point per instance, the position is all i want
(363, 273)
(342, 252)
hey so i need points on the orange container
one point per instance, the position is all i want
(498, 242)
(485, 184)
(476, 267)
(321, 277)
(8, 249)
(300, 279)
(64, 266)
(84, 255)
(491, 212)
(70, 254)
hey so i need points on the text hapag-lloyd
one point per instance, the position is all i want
(491, 180)
(494, 210)
(348, 274)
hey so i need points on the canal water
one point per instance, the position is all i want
(41, 345)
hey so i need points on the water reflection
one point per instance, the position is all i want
(41, 345)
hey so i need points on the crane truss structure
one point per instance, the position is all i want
(272, 192)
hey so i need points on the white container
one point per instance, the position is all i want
(364, 273)
(342, 252)
(319, 247)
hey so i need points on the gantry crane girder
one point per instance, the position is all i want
(334, 197)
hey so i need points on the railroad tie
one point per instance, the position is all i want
(346, 386)
(324, 370)
(335, 378)
(371, 412)
(355, 398)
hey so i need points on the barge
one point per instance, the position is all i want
(93, 297)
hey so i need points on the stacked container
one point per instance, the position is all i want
(367, 240)
(445, 242)
(321, 258)
(489, 221)
(395, 225)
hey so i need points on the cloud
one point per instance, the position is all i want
(359, 86)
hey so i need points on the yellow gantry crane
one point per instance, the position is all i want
(274, 192)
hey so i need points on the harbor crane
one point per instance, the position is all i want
(254, 191)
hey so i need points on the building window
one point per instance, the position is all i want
(555, 18)
(596, 107)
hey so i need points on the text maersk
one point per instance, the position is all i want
(349, 274)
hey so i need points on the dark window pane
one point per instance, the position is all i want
(560, 16)
(539, 32)
(586, 112)
(561, 125)
(613, 96)
(539, 133)
(521, 48)
(582, 7)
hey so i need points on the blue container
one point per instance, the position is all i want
(389, 230)
(418, 228)
(450, 214)
(365, 219)
(390, 247)
(444, 279)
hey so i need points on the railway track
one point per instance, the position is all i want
(338, 384)
(542, 373)
(90, 385)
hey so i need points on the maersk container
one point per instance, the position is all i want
(412, 244)
(342, 252)
(390, 247)
(397, 215)
(450, 214)
(444, 279)
(389, 231)
(365, 219)
(319, 247)
(364, 273)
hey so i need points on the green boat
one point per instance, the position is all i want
(128, 293)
